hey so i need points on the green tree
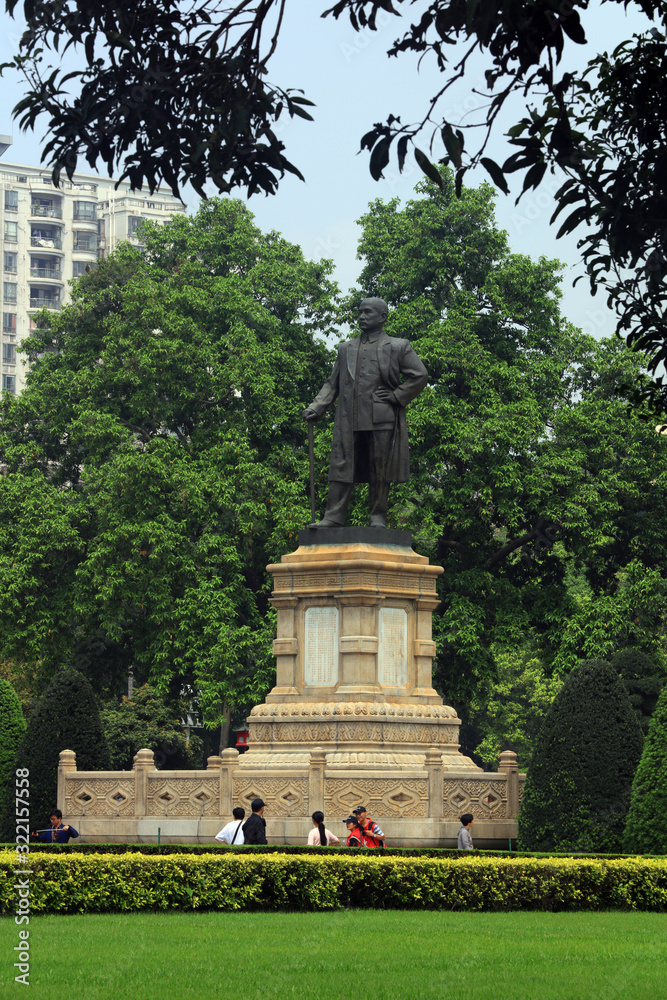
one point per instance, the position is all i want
(67, 717)
(527, 470)
(645, 831)
(577, 791)
(509, 717)
(599, 127)
(156, 461)
(643, 680)
(12, 728)
(145, 721)
(169, 92)
(182, 95)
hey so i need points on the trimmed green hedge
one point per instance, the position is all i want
(102, 884)
(397, 852)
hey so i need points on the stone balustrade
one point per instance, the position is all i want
(418, 805)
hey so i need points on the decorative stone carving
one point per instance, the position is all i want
(485, 798)
(171, 796)
(284, 796)
(382, 797)
(371, 708)
(99, 797)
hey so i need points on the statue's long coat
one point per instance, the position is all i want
(396, 360)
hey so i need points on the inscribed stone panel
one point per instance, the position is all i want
(393, 647)
(320, 667)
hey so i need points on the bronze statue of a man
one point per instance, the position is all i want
(375, 377)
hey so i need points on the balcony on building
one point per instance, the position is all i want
(46, 237)
(85, 241)
(46, 207)
(46, 268)
(44, 297)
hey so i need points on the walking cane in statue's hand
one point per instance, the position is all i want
(311, 455)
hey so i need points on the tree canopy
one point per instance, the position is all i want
(530, 483)
(155, 462)
(145, 721)
(164, 92)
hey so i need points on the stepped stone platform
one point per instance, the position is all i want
(353, 720)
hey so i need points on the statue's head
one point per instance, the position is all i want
(379, 305)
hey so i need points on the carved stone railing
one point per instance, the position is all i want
(193, 805)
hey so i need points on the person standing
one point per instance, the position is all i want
(320, 836)
(372, 835)
(354, 833)
(232, 833)
(465, 837)
(59, 833)
(254, 828)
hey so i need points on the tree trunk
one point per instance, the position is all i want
(224, 726)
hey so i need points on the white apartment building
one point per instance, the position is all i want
(51, 234)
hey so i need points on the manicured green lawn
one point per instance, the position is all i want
(392, 955)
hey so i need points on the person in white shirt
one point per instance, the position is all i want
(320, 836)
(233, 832)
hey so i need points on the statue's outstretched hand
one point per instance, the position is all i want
(309, 414)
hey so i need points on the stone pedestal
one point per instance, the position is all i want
(354, 718)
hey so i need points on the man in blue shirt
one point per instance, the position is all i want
(58, 834)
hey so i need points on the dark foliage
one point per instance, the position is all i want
(66, 718)
(646, 826)
(169, 92)
(643, 681)
(12, 728)
(601, 128)
(144, 721)
(578, 789)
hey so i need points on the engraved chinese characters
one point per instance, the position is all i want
(393, 647)
(321, 660)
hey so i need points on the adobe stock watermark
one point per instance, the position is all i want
(21, 877)
(365, 36)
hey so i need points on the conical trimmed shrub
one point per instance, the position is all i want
(643, 680)
(646, 825)
(578, 788)
(12, 729)
(67, 717)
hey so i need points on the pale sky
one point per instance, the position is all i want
(354, 85)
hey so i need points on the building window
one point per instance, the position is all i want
(9, 383)
(80, 267)
(101, 232)
(85, 241)
(11, 201)
(9, 291)
(133, 223)
(11, 232)
(85, 211)
(11, 261)
(8, 354)
(9, 322)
